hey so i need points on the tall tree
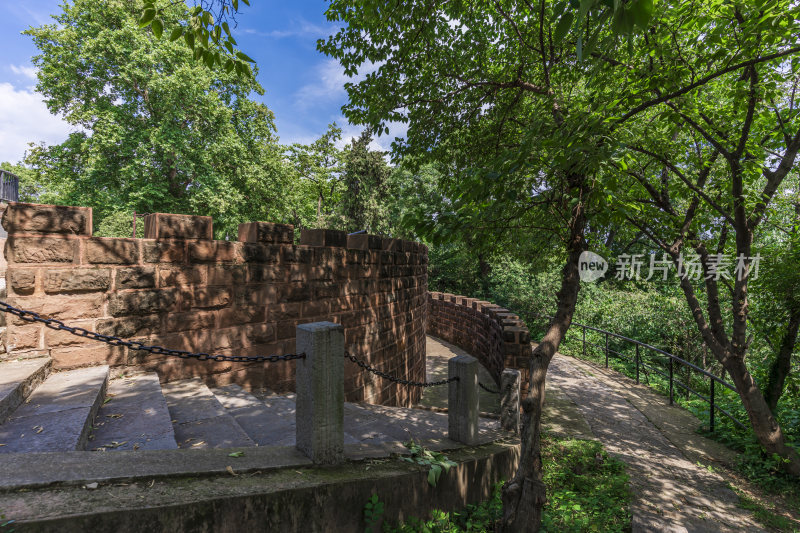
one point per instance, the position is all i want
(156, 131)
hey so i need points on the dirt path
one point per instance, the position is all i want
(670, 491)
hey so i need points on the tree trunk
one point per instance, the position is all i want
(765, 426)
(782, 364)
(524, 495)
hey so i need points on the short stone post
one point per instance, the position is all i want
(462, 400)
(509, 400)
(320, 392)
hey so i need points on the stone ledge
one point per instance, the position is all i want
(296, 498)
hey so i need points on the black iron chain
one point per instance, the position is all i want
(487, 389)
(395, 379)
(52, 323)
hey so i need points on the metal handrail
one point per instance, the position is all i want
(637, 360)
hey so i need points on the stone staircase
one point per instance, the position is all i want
(87, 410)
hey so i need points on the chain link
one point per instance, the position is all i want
(52, 323)
(394, 379)
(487, 389)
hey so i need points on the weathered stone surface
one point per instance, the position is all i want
(212, 251)
(26, 337)
(190, 321)
(17, 380)
(40, 250)
(320, 392)
(143, 302)
(323, 237)
(209, 297)
(266, 232)
(462, 400)
(136, 278)
(71, 280)
(22, 281)
(199, 420)
(168, 226)
(59, 414)
(112, 251)
(36, 218)
(364, 241)
(134, 326)
(62, 307)
(135, 417)
(177, 276)
(509, 400)
(163, 251)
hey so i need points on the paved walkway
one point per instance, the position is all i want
(671, 492)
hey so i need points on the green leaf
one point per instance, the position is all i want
(563, 27)
(158, 28)
(147, 17)
(244, 57)
(189, 38)
(226, 28)
(236, 454)
(176, 34)
(431, 478)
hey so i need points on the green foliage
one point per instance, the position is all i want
(209, 38)
(29, 189)
(587, 491)
(436, 462)
(6, 525)
(373, 511)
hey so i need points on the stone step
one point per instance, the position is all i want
(58, 415)
(269, 422)
(134, 416)
(18, 379)
(198, 418)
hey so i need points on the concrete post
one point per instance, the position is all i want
(320, 392)
(462, 400)
(509, 400)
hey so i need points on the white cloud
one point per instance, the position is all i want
(25, 71)
(299, 29)
(24, 118)
(329, 85)
(382, 143)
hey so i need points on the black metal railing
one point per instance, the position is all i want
(9, 187)
(639, 363)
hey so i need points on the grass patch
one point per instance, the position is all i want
(587, 490)
(765, 515)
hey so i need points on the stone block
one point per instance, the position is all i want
(163, 251)
(364, 241)
(462, 399)
(169, 226)
(323, 237)
(136, 278)
(70, 307)
(266, 232)
(23, 338)
(320, 392)
(210, 297)
(196, 320)
(143, 302)
(128, 327)
(212, 251)
(72, 280)
(181, 277)
(112, 251)
(37, 218)
(22, 281)
(41, 249)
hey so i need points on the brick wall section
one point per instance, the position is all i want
(179, 289)
(493, 334)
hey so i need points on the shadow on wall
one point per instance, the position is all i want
(180, 289)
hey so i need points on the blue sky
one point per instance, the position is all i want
(303, 87)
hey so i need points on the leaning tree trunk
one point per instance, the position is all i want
(782, 364)
(765, 426)
(524, 495)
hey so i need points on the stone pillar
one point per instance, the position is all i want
(320, 392)
(509, 400)
(462, 400)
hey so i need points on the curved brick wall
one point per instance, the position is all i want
(179, 289)
(494, 335)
